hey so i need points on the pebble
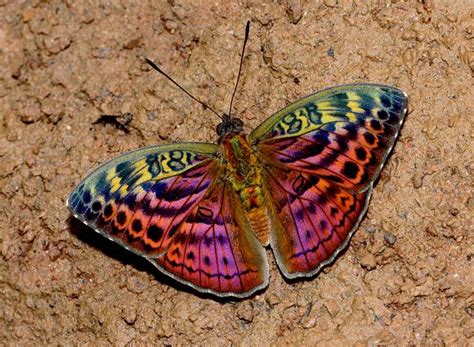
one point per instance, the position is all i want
(272, 300)
(368, 262)
(390, 239)
(129, 316)
(332, 307)
(330, 3)
(370, 229)
(245, 312)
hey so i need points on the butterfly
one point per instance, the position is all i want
(203, 213)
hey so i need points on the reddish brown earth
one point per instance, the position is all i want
(407, 277)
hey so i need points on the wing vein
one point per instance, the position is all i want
(230, 244)
(296, 227)
(215, 255)
(165, 233)
(316, 165)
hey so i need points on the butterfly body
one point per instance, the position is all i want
(300, 183)
(244, 172)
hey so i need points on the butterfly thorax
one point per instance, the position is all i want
(244, 173)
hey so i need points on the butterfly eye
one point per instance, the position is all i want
(221, 129)
(237, 124)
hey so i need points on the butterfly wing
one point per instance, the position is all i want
(215, 248)
(312, 220)
(162, 200)
(321, 156)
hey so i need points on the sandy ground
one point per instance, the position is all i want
(407, 276)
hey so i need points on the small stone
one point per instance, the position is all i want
(468, 332)
(330, 3)
(165, 329)
(31, 113)
(370, 229)
(102, 52)
(310, 323)
(133, 42)
(368, 262)
(57, 42)
(453, 212)
(27, 15)
(129, 315)
(181, 311)
(135, 285)
(332, 307)
(294, 10)
(171, 26)
(151, 115)
(469, 310)
(54, 254)
(417, 180)
(50, 109)
(245, 312)
(272, 300)
(390, 239)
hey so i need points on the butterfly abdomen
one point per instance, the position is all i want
(245, 176)
(253, 201)
(258, 219)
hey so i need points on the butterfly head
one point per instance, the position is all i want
(229, 125)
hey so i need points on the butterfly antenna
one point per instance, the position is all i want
(247, 30)
(206, 106)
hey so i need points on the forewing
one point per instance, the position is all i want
(215, 250)
(342, 134)
(313, 220)
(139, 199)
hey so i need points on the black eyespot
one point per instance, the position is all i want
(108, 210)
(154, 232)
(382, 114)
(375, 124)
(96, 206)
(361, 153)
(137, 225)
(370, 138)
(86, 197)
(350, 170)
(121, 218)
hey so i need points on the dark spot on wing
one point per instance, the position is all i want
(350, 170)
(137, 225)
(121, 218)
(154, 232)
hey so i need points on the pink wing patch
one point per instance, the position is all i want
(313, 220)
(344, 153)
(215, 249)
(149, 215)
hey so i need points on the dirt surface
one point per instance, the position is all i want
(407, 275)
